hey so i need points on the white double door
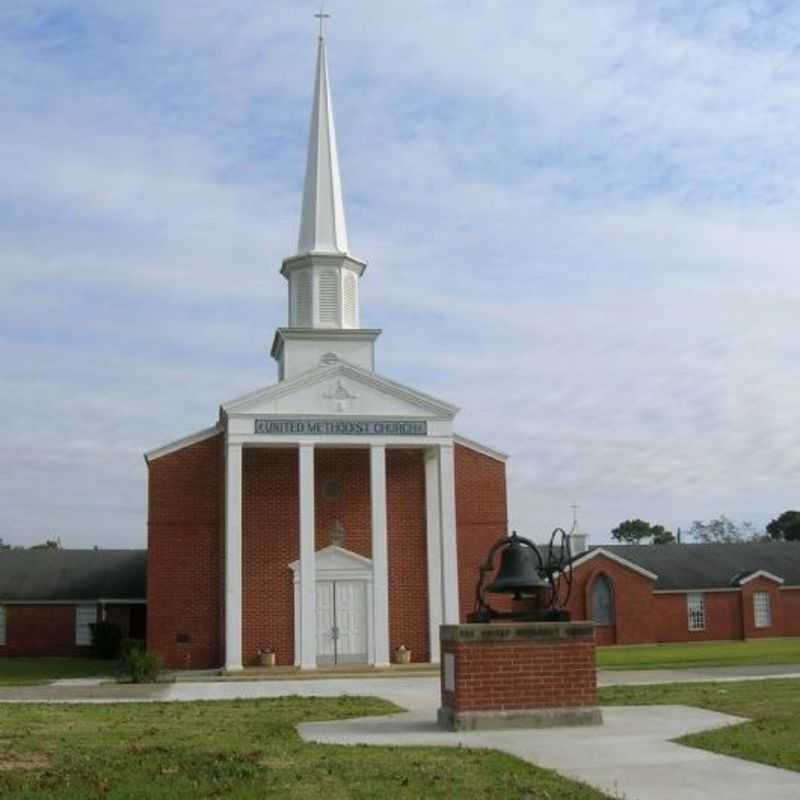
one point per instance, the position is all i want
(341, 622)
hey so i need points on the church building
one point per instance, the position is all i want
(334, 515)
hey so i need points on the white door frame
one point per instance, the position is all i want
(334, 563)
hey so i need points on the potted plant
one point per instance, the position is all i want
(402, 655)
(266, 657)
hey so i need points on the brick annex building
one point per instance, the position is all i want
(640, 594)
(332, 516)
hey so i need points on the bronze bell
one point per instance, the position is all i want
(518, 573)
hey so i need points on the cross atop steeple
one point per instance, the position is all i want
(322, 16)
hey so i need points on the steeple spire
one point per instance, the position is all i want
(323, 277)
(322, 225)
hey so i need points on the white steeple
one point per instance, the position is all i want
(322, 225)
(323, 277)
(578, 540)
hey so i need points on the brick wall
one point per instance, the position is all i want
(408, 574)
(633, 601)
(790, 600)
(185, 554)
(521, 674)
(723, 617)
(270, 542)
(41, 630)
(481, 519)
(350, 470)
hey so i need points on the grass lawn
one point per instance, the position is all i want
(29, 671)
(700, 654)
(773, 735)
(241, 749)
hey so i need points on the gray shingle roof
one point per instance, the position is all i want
(73, 574)
(711, 566)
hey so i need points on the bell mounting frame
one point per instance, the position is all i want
(557, 570)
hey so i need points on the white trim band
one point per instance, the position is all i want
(617, 559)
(179, 444)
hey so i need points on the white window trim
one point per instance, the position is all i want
(83, 634)
(693, 614)
(767, 609)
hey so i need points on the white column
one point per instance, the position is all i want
(308, 565)
(233, 557)
(380, 555)
(447, 505)
(434, 542)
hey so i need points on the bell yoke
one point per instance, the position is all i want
(540, 587)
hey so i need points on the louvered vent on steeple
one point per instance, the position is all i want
(328, 299)
(350, 301)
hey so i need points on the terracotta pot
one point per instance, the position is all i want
(402, 656)
(266, 659)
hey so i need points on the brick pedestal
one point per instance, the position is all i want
(518, 675)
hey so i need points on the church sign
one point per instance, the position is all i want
(341, 427)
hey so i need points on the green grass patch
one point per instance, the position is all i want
(241, 749)
(30, 671)
(700, 654)
(773, 706)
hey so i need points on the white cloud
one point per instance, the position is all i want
(581, 227)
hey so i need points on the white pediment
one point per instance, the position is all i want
(341, 389)
(335, 559)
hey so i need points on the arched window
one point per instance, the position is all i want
(602, 601)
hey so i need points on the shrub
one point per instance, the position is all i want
(131, 644)
(141, 666)
(106, 639)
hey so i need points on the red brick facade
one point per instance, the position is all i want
(186, 536)
(49, 629)
(185, 554)
(270, 521)
(408, 574)
(644, 615)
(546, 670)
(41, 630)
(481, 519)
(632, 600)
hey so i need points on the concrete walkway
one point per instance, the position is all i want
(630, 756)
(645, 677)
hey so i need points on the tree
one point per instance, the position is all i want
(662, 535)
(3, 545)
(49, 544)
(724, 530)
(785, 527)
(637, 531)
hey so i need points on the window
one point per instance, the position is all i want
(2, 626)
(696, 605)
(761, 610)
(602, 601)
(84, 616)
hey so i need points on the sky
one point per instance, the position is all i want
(581, 223)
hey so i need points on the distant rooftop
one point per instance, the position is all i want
(710, 566)
(68, 575)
